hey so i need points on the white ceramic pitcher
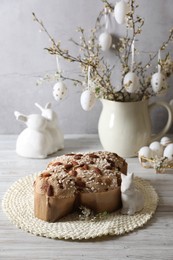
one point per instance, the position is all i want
(124, 127)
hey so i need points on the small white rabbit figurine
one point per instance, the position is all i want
(52, 127)
(41, 137)
(132, 198)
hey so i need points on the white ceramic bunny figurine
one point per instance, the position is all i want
(132, 198)
(42, 135)
(52, 127)
(34, 141)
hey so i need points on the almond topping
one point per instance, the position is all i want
(73, 173)
(108, 167)
(97, 170)
(75, 163)
(68, 166)
(57, 163)
(112, 163)
(92, 162)
(85, 167)
(78, 156)
(50, 191)
(93, 155)
(81, 165)
(45, 174)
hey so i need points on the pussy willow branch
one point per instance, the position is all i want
(107, 4)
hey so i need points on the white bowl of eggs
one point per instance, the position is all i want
(157, 153)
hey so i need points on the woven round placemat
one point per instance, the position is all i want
(18, 205)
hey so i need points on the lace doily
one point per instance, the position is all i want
(18, 205)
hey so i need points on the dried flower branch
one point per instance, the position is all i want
(160, 164)
(91, 58)
(88, 215)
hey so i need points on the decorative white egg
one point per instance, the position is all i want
(131, 82)
(87, 100)
(157, 149)
(59, 91)
(165, 141)
(168, 152)
(120, 10)
(158, 81)
(146, 152)
(105, 41)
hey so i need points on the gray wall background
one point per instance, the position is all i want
(23, 58)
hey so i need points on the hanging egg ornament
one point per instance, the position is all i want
(120, 11)
(158, 82)
(105, 41)
(87, 100)
(168, 152)
(157, 149)
(131, 82)
(59, 91)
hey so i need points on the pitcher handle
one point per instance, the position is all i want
(169, 121)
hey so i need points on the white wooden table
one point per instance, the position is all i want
(153, 241)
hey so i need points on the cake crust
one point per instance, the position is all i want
(51, 209)
(92, 180)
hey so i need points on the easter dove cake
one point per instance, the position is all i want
(72, 180)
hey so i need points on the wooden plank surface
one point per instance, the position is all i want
(153, 241)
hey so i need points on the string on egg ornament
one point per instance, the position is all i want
(131, 81)
(105, 38)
